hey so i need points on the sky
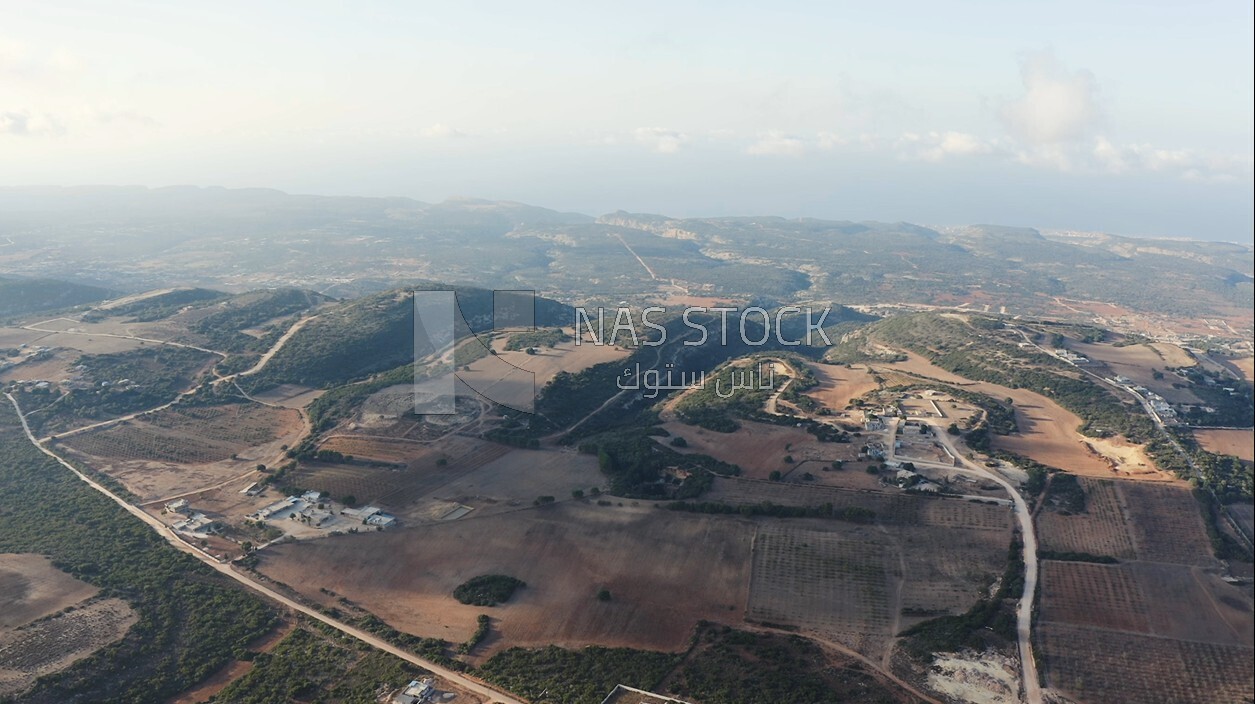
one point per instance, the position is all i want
(1124, 117)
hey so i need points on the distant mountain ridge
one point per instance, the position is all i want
(133, 238)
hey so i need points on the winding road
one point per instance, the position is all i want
(1024, 613)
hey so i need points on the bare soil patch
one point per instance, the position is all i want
(664, 571)
(31, 588)
(289, 395)
(183, 449)
(838, 385)
(1048, 432)
(760, 448)
(50, 619)
(1239, 443)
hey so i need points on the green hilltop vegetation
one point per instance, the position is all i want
(25, 296)
(540, 337)
(373, 334)
(160, 306)
(225, 325)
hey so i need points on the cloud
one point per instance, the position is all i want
(829, 140)
(938, 146)
(23, 123)
(661, 140)
(776, 143)
(1188, 164)
(442, 131)
(1058, 105)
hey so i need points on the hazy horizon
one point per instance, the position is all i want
(1124, 118)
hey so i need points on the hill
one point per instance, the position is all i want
(22, 296)
(373, 334)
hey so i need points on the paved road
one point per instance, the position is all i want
(164, 531)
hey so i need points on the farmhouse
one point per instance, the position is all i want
(198, 525)
(370, 515)
(415, 692)
(283, 508)
(178, 506)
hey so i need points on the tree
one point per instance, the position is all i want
(349, 500)
(603, 594)
(577, 493)
(775, 475)
(953, 429)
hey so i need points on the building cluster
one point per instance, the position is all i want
(371, 516)
(1069, 356)
(193, 523)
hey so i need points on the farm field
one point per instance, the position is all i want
(838, 385)
(512, 480)
(90, 344)
(289, 395)
(55, 368)
(1244, 514)
(1047, 431)
(664, 570)
(760, 448)
(181, 448)
(1099, 665)
(509, 374)
(1103, 529)
(839, 583)
(861, 585)
(1239, 443)
(891, 507)
(399, 487)
(38, 635)
(54, 643)
(15, 337)
(1166, 524)
(1246, 367)
(1139, 362)
(31, 588)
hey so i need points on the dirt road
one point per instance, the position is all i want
(1024, 613)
